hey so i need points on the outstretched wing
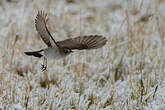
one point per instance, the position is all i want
(40, 24)
(83, 42)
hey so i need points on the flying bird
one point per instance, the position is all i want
(60, 49)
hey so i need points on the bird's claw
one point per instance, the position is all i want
(43, 67)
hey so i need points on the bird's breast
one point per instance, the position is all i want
(53, 53)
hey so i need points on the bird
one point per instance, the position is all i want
(61, 49)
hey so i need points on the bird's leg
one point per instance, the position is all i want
(44, 65)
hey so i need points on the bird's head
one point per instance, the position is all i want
(67, 50)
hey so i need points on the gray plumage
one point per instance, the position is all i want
(63, 48)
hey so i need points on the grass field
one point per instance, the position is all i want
(128, 73)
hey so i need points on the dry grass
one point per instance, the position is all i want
(127, 73)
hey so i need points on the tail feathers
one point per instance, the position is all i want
(35, 53)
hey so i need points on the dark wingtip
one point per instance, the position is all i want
(26, 53)
(35, 53)
(99, 42)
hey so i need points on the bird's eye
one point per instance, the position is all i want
(66, 50)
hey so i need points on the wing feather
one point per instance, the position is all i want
(83, 42)
(40, 24)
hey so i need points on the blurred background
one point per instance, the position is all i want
(127, 73)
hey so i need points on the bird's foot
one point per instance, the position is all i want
(43, 67)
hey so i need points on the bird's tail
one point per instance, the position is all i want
(35, 53)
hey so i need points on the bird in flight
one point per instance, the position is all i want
(60, 49)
